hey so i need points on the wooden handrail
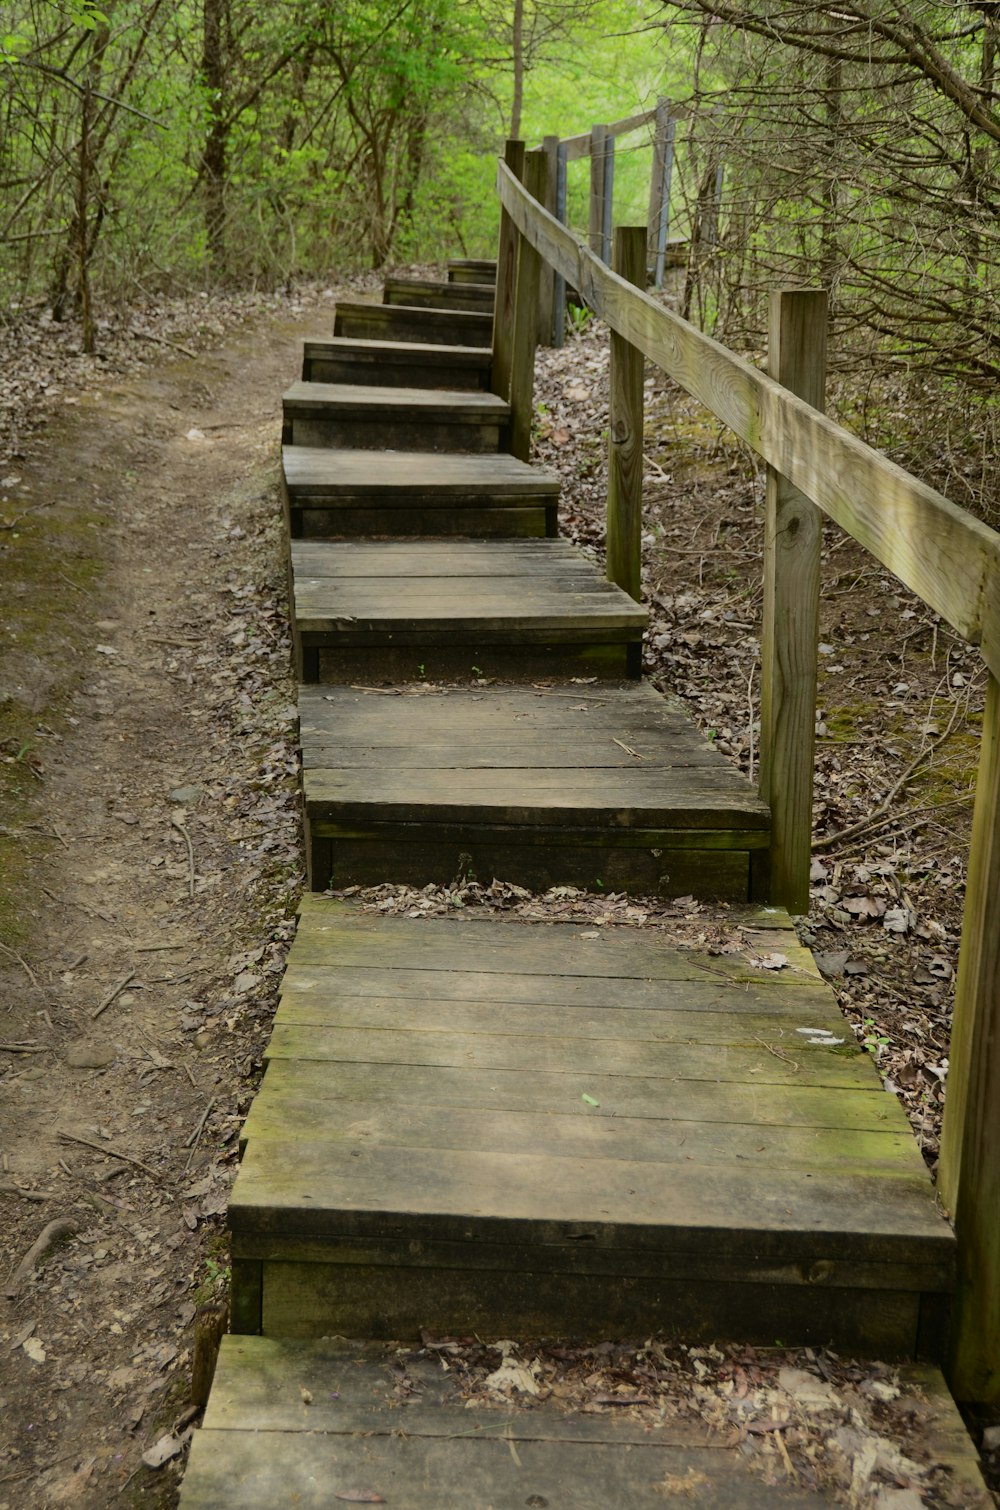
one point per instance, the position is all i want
(939, 551)
(950, 560)
(579, 146)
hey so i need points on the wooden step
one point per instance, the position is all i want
(472, 270)
(401, 610)
(312, 1424)
(392, 322)
(433, 293)
(353, 415)
(355, 493)
(503, 1128)
(610, 788)
(404, 364)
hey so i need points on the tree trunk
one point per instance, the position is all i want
(215, 153)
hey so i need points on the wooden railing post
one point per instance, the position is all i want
(659, 195)
(624, 538)
(525, 321)
(969, 1168)
(503, 309)
(546, 288)
(559, 282)
(597, 219)
(792, 536)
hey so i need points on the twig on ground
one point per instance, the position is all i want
(145, 335)
(179, 826)
(112, 1153)
(193, 1141)
(112, 995)
(24, 965)
(776, 1052)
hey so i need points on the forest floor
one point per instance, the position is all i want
(150, 858)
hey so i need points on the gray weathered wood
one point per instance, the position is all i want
(625, 431)
(525, 332)
(938, 550)
(598, 189)
(969, 1174)
(399, 363)
(547, 278)
(506, 283)
(434, 293)
(364, 320)
(792, 541)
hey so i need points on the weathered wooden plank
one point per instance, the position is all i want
(666, 1024)
(792, 541)
(710, 864)
(537, 1198)
(434, 293)
(506, 284)
(333, 520)
(412, 559)
(938, 550)
(489, 755)
(312, 471)
(311, 1300)
(625, 430)
(970, 1144)
(472, 270)
(358, 398)
(277, 1119)
(451, 656)
(395, 363)
(361, 319)
(545, 1088)
(479, 604)
(768, 1061)
(691, 797)
(525, 320)
(458, 1470)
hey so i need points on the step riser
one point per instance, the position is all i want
(398, 1300)
(369, 855)
(389, 322)
(481, 521)
(472, 271)
(472, 297)
(409, 663)
(380, 373)
(384, 433)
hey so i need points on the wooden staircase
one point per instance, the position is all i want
(503, 1128)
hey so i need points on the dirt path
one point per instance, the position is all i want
(149, 847)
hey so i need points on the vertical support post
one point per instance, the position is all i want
(969, 1169)
(595, 222)
(503, 308)
(546, 290)
(559, 282)
(792, 537)
(659, 199)
(624, 534)
(525, 323)
(608, 202)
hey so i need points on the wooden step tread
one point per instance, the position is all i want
(403, 351)
(353, 590)
(332, 399)
(471, 1097)
(637, 759)
(314, 471)
(435, 293)
(314, 1424)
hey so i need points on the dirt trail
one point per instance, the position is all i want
(150, 848)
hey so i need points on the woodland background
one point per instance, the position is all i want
(149, 150)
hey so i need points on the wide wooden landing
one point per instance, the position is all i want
(401, 610)
(355, 415)
(315, 1424)
(609, 787)
(397, 364)
(394, 322)
(432, 293)
(355, 492)
(512, 1129)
